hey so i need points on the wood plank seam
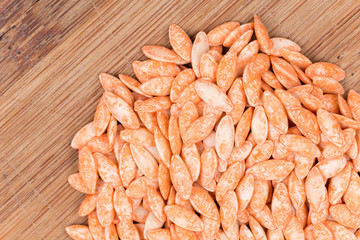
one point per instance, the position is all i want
(31, 186)
(56, 214)
(14, 194)
(107, 30)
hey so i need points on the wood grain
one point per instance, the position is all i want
(52, 52)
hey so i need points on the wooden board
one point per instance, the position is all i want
(52, 51)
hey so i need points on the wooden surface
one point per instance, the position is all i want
(52, 51)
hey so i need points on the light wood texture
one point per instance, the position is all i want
(51, 53)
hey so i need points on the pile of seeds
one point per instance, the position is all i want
(224, 137)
